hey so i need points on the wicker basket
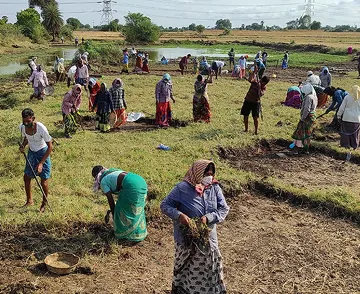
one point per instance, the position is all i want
(61, 263)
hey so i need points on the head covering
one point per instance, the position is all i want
(355, 92)
(307, 89)
(166, 76)
(97, 177)
(73, 91)
(92, 81)
(104, 86)
(61, 60)
(195, 174)
(86, 53)
(309, 73)
(115, 84)
(325, 69)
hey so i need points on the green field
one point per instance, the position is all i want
(70, 186)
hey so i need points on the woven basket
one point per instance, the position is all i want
(61, 263)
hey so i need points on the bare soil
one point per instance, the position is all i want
(142, 125)
(268, 247)
(274, 159)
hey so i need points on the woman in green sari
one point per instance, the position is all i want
(129, 211)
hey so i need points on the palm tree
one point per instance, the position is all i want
(52, 19)
(39, 3)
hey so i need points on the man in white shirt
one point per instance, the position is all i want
(217, 66)
(36, 135)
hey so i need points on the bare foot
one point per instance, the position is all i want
(42, 207)
(30, 203)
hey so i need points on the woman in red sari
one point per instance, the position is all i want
(94, 87)
(163, 94)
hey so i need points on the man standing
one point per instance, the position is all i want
(231, 57)
(252, 100)
(36, 135)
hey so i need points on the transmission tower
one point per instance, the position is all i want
(107, 11)
(309, 7)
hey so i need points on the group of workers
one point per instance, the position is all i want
(141, 60)
(197, 268)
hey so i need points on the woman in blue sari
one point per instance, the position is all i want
(129, 211)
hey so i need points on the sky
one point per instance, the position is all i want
(181, 13)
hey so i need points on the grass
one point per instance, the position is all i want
(71, 193)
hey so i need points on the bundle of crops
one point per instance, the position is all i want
(196, 233)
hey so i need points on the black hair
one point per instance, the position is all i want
(199, 78)
(265, 79)
(189, 55)
(96, 169)
(329, 91)
(27, 112)
(211, 166)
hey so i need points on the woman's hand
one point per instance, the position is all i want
(204, 220)
(184, 219)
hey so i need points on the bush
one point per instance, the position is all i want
(104, 54)
(67, 32)
(139, 28)
(7, 100)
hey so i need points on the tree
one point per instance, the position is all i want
(4, 20)
(305, 22)
(74, 23)
(200, 29)
(67, 32)
(293, 24)
(139, 28)
(222, 24)
(262, 25)
(52, 19)
(192, 27)
(40, 3)
(28, 20)
(315, 25)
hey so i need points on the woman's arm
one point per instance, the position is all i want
(111, 202)
(222, 210)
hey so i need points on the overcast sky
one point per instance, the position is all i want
(184, 12)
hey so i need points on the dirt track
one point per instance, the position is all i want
(268, 247)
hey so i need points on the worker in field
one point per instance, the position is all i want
(252, 103)
(128, 213)
(231, 55)
(285, 60)
(36, 135)
(183, 63)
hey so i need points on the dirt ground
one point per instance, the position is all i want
(142, 125)
(276, 249)
(274, 159)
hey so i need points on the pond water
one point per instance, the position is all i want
(155, 54)
(19, 63)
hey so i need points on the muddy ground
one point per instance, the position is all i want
(275, 159)
(268, 247)
(87, 122)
